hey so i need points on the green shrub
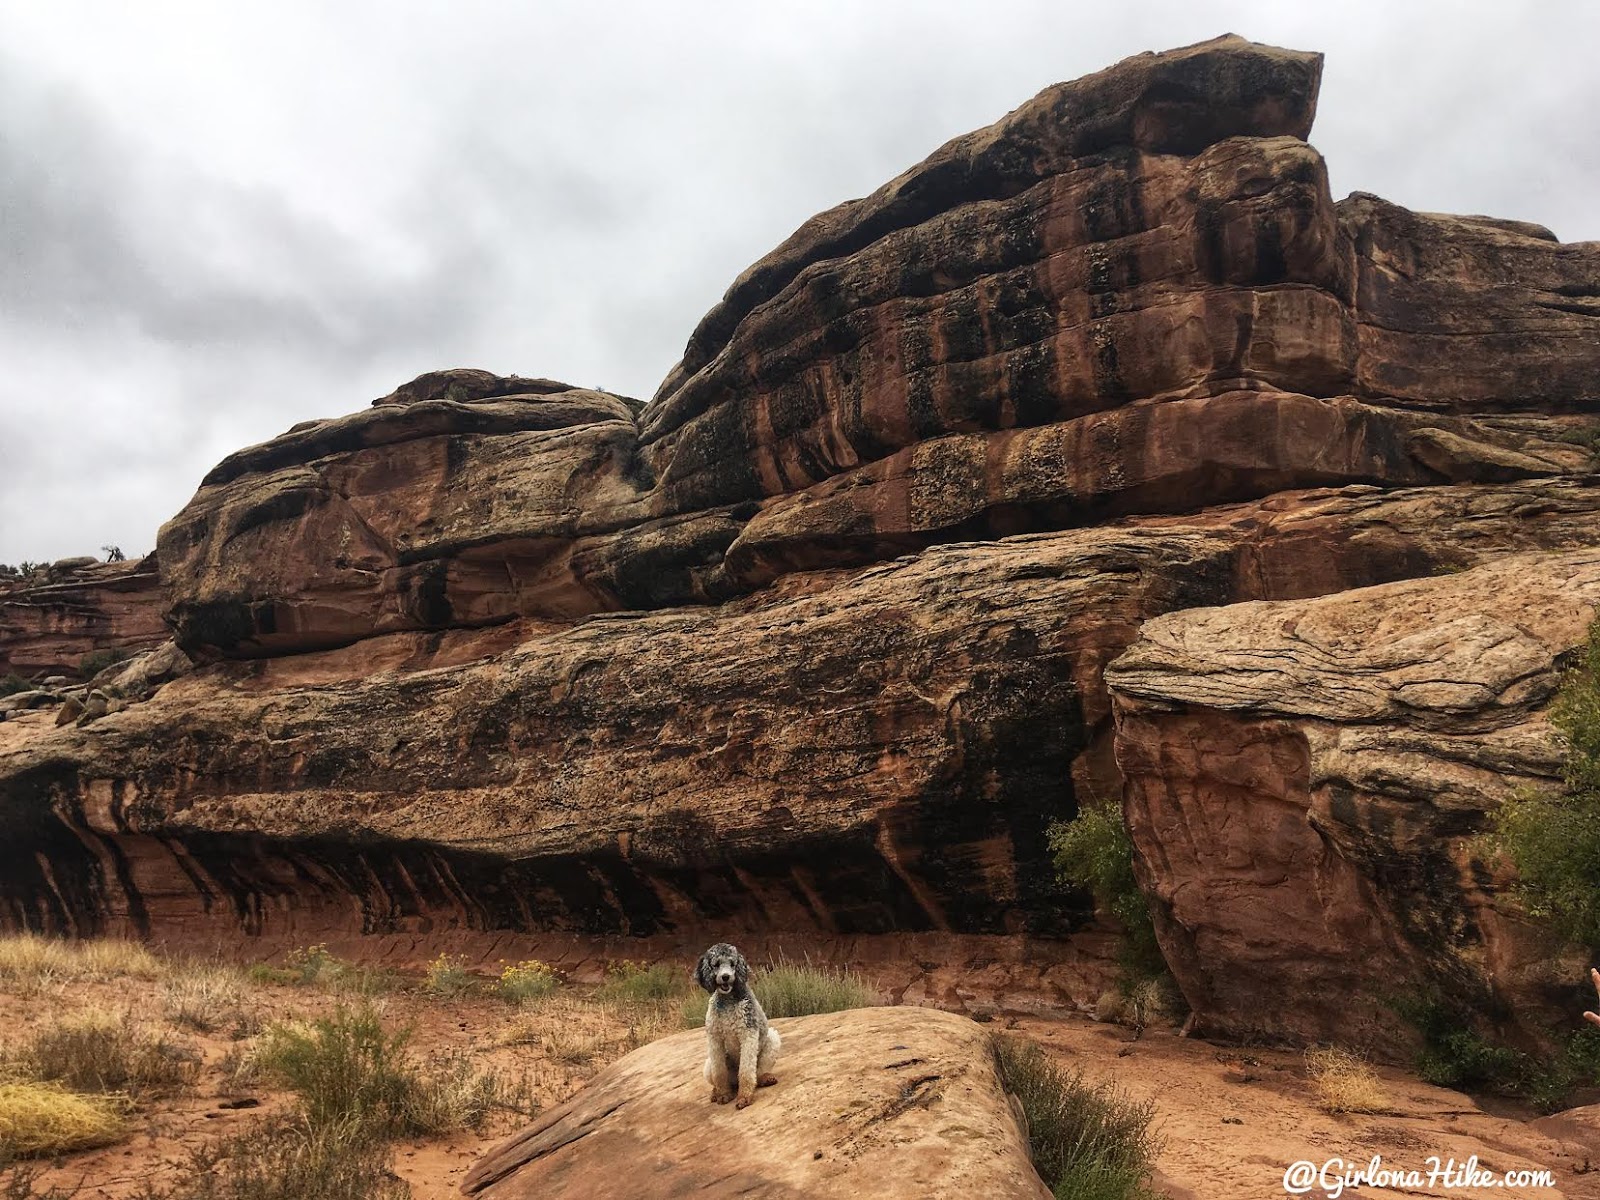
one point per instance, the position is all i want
(527, 981)
(1087, 1142)
(791, 990)
(630, 982)
(344, 1068)
(447, 976)
(11, 683)
(1093, 852)
(310, 965)
(795, 990)
(1455, 1055)
(1575, 1064)
(352, 1075)
(93, 663)
(1554, 840)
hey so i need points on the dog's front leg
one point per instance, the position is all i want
(749, 1055)
(717, 1075)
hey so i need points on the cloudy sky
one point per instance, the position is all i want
(219, 219)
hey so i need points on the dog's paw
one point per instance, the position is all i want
(766, 1081)
(721, 1097)
(744, 1101)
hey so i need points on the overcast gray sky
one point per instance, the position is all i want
(219, 219)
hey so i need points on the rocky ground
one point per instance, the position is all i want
(1231, 1119)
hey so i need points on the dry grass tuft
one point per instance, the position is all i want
(28, 959)
(629, 982)
(46, 1118)
(98, 1050)
(1344, 1081)
(288, 1160)
(451, 1092)
(205, 998)
(800, 989)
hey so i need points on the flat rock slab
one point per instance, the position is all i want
(891, 1102)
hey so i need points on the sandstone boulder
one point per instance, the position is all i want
(1305, 781)
(891, 1102)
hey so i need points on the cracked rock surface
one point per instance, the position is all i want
(891, 1102)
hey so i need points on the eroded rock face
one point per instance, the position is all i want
(1305, 781)
(429, 514)
(852, 753)
(890, 1102)
(50, 623)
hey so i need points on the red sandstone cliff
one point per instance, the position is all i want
(817, 641)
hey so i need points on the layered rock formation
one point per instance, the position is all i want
(1305, 781)
(816, 640)
(891, 1101)
(51, 621)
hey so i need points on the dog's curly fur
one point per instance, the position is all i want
(739, 1043)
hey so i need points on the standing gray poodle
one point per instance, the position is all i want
(739, 1042)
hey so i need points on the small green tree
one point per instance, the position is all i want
(1093, 852)
(114, 554)
(1553, 839)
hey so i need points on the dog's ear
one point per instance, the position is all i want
(741, 969)
(702, 972)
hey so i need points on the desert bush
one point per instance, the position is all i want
(314, 964)
(343, 1067)
(1345, 1083)
(527, 980)
(317, 966)
(452, 1093)
(98, 1050)
(447, 976)
(1553, 840)
(346, 1068)
(45, 1118)
(267, 975)
(205, 997)
(1455, 1054)
(798, 990)
(11, 683)
(1087, 1141)
(28, 956)
(634, 982)
(288, 1160)
(795, 990)
(1093, 852)
(95, 661)
(20, 1181)
(1551, 1080)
